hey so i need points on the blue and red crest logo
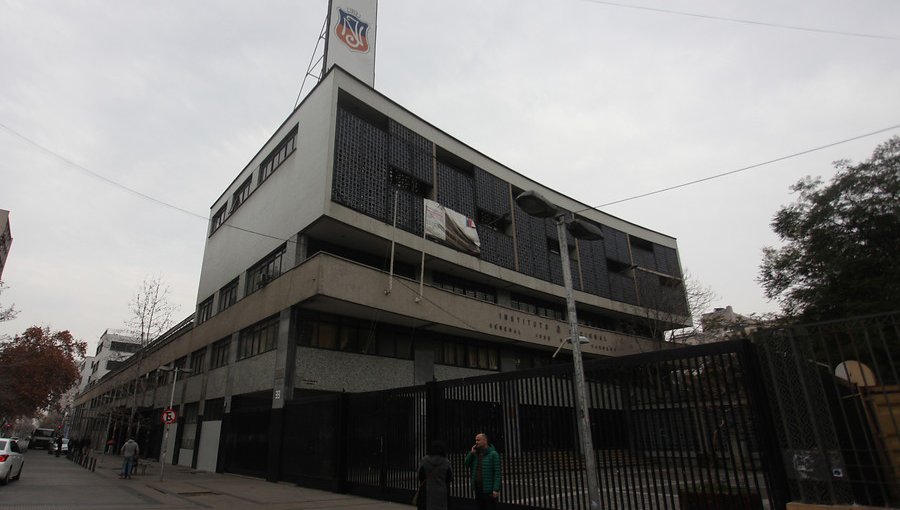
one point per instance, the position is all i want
(352, 31)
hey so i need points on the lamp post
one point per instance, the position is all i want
(165, 443)
(535, 205)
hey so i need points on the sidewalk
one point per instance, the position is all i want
(184, 487)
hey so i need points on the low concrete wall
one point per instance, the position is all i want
(811, 506)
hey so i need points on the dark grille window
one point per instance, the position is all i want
(218, 219)
(265, 270)
(190, 425)
(214, 409)
(240, 196)
(463, 354)
(219, 355)
(228, 295)
(278, 156)
(258, 338)
(465, 287)
(204, 310)
(197, 359)
(331, 332)
(538, 307)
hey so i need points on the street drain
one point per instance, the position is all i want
(198, 493)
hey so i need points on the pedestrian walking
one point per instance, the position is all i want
(59, 443)
(130, 451)
(435, 477)
(484, 463)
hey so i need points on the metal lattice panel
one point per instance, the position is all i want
(360, 166)
(455, 189)
(496, 247)
(592, 255)
(616, 245)
(491, 193)
(410, 152)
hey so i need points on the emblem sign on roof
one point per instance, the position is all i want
(351, 38)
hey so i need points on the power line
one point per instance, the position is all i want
(745, 21)
(133, 191)
(742, 169)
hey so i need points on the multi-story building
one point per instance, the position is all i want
(85, 368)
(5, 239)
(322, 274)
(115, 346)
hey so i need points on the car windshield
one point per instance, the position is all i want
(43, 433)
(2, 445)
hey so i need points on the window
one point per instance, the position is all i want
(258, 338)
(228, 295)
(240, 196)
(197, 359)
(461, 353)
(218, 219)
(345, 334)
(465, 287)
(214, 409)
(190, 425)
(538, 307)
(219, 355)
(265, 270)
(204, 310)
(278, 155)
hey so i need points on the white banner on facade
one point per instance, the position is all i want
(454, 228)
(351, 37)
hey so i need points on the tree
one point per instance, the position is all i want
(841, 242)
(9, 313)
(38, 368)
(151, 316)
(668, 301)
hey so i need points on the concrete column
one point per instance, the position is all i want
(285, 361)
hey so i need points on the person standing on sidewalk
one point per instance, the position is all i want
(130, 450)
(435, 476)
(484, 462)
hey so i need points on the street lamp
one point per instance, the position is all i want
(535, 205)
(165, 444)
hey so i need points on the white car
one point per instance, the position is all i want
(11, 461)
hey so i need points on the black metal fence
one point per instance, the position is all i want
(681, 428)
(834, 395)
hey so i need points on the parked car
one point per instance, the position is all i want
(11, 461)
(42, 438)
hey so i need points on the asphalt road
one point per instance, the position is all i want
(50, 482)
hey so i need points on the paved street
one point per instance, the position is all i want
(55, 483)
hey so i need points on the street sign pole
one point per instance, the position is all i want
(165, 445)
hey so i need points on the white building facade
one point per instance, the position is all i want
(318, 278)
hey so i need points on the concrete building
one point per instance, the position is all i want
(5, 239)
(318, 275)
(85, 368)
(115, 346)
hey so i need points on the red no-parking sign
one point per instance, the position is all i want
(169, 416)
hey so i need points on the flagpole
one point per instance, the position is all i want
(422, 262)
(393, 244)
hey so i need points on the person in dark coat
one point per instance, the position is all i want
(435, 477)
(59, 443)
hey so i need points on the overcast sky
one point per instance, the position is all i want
(601, 102)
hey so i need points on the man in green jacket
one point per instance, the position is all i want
(484, 462)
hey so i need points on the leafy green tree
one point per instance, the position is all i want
(38, 368)
(841, 242)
